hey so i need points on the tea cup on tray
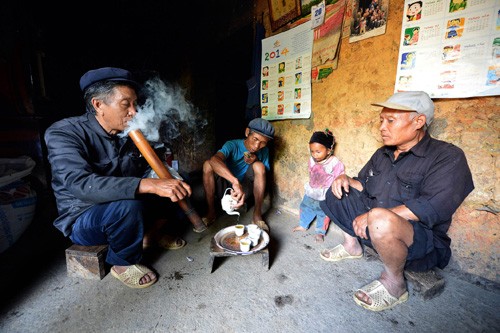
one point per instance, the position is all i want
(239, 229)
(245, 244)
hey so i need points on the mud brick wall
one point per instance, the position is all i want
(366, 73)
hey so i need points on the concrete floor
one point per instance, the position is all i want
(299, 293)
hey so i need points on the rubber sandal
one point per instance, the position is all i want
(381, 299)
(171, 243)
(207, 222)
(338, 253)
(202, 229)
(132, 276)
(262, 225)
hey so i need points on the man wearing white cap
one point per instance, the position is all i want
(402, 201)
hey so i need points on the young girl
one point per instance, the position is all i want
(324, 167)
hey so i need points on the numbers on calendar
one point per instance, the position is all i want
(275, 54)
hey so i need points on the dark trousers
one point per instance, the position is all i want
(422, 255)
(119, 224)
(343, 211)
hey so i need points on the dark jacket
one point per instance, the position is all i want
(90, 167)
(432, 179)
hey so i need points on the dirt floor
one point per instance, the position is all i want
(298, 293)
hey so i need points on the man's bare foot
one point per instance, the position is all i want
(257, 217)
(299, 228)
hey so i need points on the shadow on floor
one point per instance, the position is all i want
(25, 261)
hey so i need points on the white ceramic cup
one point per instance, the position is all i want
(254, 231)
(245, 244)
(239, 229)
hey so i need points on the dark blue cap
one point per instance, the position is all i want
(262, 126)
(105, 74)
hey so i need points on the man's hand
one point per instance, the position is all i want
(174, 189)
(340, 183)
(249, 157)
(238, 195)
(360, 225)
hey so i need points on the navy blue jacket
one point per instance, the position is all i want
(90, 167)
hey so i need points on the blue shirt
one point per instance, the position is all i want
(233, 151)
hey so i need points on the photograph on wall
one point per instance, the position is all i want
(369, 19)
(450, 48)
(282, 12)
(286, 74)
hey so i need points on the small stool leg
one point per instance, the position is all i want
(211, 263)
(265, 258)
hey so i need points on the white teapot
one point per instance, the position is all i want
(228, 203)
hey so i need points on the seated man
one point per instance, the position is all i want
(402, 201)
(97, 177)
(241, 164)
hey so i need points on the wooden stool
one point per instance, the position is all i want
(86, 262)
(216, 251)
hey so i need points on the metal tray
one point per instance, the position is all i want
(227, 240)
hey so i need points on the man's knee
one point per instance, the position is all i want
(383, 224)
(259, 169)
(207, 167)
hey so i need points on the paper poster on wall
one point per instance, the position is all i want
(346, 25)
(450, 48)
(326, 40)
(286, 74)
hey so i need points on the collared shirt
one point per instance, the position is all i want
(432, 179)
(89, 167)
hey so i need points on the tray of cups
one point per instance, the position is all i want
(238, 238)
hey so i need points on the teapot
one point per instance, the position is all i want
(228, 203)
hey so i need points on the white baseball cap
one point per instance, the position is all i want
(418, 101)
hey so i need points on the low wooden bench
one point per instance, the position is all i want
(86, 262)
(427, 284)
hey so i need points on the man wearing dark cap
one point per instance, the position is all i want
(402, 201)
(242, 165)
(97, 176)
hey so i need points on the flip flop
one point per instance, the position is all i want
(381, 299)
(171, 243)
(132, 276)
(207, 222)
(338, 253)
(262, 225)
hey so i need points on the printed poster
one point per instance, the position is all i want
(286, 74)
(450, 48)
(326, 40)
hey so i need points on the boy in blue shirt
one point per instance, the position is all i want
(241, 164)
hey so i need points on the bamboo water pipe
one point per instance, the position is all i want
(162, 172)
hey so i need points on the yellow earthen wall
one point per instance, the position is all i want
(366, 73)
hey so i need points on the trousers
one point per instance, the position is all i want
(118, 224)
(310, 210)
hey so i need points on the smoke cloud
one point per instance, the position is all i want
(166, 113)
